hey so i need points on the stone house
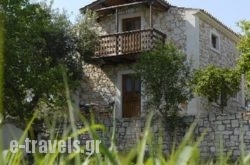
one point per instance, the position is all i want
(129, 27)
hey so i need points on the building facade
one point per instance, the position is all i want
(127, 28)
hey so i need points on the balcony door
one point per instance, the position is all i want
(131, 96)
(131, 41)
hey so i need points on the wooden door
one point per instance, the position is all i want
(131, 96)
(131, 42)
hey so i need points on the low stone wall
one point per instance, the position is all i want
(128, 132)
(229, 130)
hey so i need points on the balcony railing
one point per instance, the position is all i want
(130, 42)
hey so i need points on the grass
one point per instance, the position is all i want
(187, 152)
(1, 81)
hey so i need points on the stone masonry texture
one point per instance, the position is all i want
(227, 133)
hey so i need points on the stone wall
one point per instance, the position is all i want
(98, 85)
(129, 132)
(227, 129)
(227, 133)
(173, 24)
(227, 54)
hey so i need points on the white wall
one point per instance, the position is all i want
(193, 53)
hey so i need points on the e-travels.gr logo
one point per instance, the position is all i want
(53, 146)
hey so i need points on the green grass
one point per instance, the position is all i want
(187, 152)
(1, 80)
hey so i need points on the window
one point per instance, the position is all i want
(215, 41)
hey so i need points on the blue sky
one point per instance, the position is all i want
(227, 11)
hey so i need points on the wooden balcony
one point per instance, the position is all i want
(127, 45)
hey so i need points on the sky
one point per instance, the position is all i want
(227, 11)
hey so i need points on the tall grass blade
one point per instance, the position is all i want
(1, 84)
(142, 146)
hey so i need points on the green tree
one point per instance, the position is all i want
(165, 74)
(87, 37)
(38, 42)
(216, 84)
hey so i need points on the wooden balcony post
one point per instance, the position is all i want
(151, 38)
(117, 44)
(150, 15)
(117, 20)
(117, 30)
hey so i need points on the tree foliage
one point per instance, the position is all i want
(165, 75)
(39, 41)
(216, 84)
(87, 34)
